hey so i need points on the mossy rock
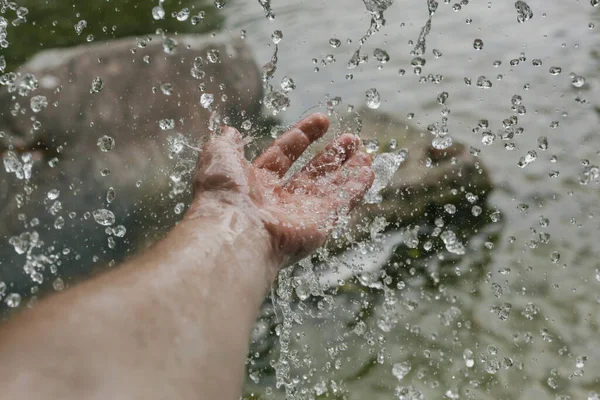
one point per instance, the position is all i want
(51, 24)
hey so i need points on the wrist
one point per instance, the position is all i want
(239, 225)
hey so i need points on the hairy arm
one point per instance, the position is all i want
(174, 323)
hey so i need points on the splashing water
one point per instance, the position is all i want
(385, 166)
(524, 12)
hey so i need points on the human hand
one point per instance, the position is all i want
(298, 212)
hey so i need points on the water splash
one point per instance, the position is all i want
(524, 12)
(385, 166)
(376, 8)
(266, 5)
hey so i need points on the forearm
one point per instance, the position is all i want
(173, 323)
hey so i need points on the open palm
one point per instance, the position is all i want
(300, 211)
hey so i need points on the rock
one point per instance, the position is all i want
(50, 215)
(428, 177)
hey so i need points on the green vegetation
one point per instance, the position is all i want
(51, 23)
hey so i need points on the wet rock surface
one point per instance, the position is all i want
(97, 146)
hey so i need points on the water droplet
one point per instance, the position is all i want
(483, 83)
(400, 370)
(373, 98)
(542, 143)
(158, 12)
(524, 12)
(119, 231)
(213, 56)
(104, 217)
(578, 81)
(38, 103)
(488, 138)
(377, 6)
(492, 366)
(354, 60)
(166, 124)
(450, 208)
(371, 145)
(594, 3)
(53, 194)
(179, 208)
(59, 223)
(277, 101)
(80, 26)
(206, 99)
(13, 300)
(408, 393)
(110, 195)
(555, 257)
(277, 36)
(418, 62)
(287, 84)
(58, 284)
(527, 159)
(106, 143)
(247, 125)
(166, 89)
(381, 55)
(452, 244)
(335, 43)
(530, 311)
(183, 15)
(441, 142)
(478, 44)
(266, 5)
(442, 97)
(22, 12)
(169, 45)
(555, 70)
(220, 4)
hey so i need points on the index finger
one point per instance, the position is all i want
(286, 149)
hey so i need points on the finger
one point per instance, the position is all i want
(358, 159)
(286, 149)
(327, 161)
(221, 162)
(233, 136)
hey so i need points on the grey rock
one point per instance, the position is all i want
(128, 110)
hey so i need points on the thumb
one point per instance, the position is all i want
(221, 163)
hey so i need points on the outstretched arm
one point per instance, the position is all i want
(174, 323)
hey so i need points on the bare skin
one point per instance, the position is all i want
(174, 323)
